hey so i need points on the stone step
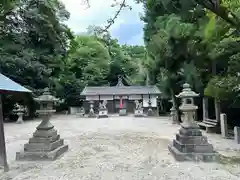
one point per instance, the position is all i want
(191, 139)
(193, 148)
(39, 147)
(41, 156)
(44, 139)
(45, 133)
(180, 156)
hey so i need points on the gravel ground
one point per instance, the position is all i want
(115, 148)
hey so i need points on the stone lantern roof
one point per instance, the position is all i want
(187, 92)
(46, 97)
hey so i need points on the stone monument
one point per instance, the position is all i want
(190, 144)
(138, 112)
(19, 110)
(103, 111)
(91, 111)
(237, 134)
(45, 143)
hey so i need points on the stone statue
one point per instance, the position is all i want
(82, 110)
(20, 111)
(18, 107)
(138, 104)
(103, 104)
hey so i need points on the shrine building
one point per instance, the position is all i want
(121, 97)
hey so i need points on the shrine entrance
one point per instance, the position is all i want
(121, 97)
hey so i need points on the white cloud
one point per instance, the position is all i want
(98, 14)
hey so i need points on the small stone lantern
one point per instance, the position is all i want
(46, 143)
(91, 111)
(150, 111)
(19, 110)
(190, 144)
(187, 107)
(173, 114)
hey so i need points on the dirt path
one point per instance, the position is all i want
(123, 148)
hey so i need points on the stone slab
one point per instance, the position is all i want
(179, 156)
(44, 140)
(193, 148)
(191, 139)
(41, 156)
(39, 147)
(190, 125)
(45, 133)
(190, 132)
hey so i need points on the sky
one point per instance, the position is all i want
(128, 28)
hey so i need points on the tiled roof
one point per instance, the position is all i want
(120, 90)
(7, 84)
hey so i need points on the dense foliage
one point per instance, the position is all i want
(39, 50)
(185, 41)
(189, 41)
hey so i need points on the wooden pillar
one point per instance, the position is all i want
(3, 155)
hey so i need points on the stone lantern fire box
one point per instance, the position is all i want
(190, 144)
(45, 143)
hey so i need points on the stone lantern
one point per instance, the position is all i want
(150, 111)
(173, 114)
(190, 144)
(187, 107)
(19, 110)
(91, 111)
(45, 143)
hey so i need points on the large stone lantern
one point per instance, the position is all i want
(190, 144)
(46, 102)
(45, 143)
(187, 107)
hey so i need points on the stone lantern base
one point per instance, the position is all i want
(138, 112)
(44, 145)
(103, 113)
(191, 145)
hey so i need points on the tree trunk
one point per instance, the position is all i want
(216, 101)
(205, 107)
(217, 109)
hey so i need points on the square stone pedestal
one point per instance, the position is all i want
(44, 145)
(91, 114)
(138, 113)
(150, 112)
(191, 145)
(122, 112)
(103, 113)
